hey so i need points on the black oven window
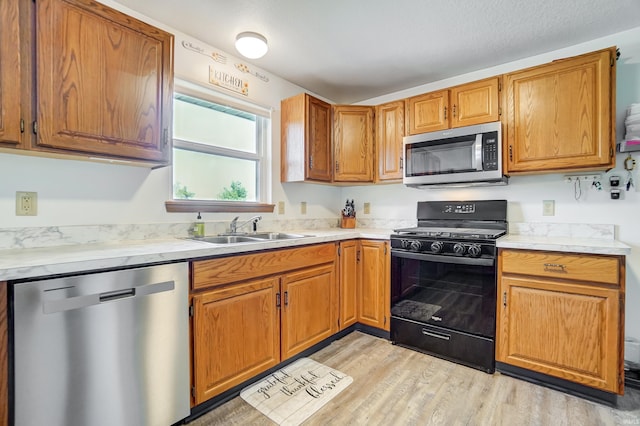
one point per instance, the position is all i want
(456, 296)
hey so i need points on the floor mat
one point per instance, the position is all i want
(292, 394)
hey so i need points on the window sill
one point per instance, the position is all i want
(203, 206)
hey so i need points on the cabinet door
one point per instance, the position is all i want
(236, 335)
(104, 81)
(565, 330)
(475, 103)
(11, 71)
(309, 308)
(560, 115)
(305, 130)
(374, 284)
(353, 143)
(428, 112)
(389, 133)
(348, 283)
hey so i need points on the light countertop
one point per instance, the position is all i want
(40, 262)
(564, 244)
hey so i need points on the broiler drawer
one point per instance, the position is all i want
(583, 267)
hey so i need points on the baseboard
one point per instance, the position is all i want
(561, 385)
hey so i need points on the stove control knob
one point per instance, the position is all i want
(437, 246)
(458, 248)
(404, 243)
(416, 245)
(474, 250)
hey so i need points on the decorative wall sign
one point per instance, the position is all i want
(228, 81)
(213, 55)
(246, 69)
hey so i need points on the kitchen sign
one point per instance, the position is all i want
(228, 81)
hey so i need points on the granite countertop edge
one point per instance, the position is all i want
(30, 263)
(564, 244)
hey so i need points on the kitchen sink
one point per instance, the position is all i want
(229, 239)
(250, 238)
(277, 236)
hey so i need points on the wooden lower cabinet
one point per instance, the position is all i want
(374, 284)
(250, 312)
(348, 283)
(236, 335)
(309, 308)
(562, 315)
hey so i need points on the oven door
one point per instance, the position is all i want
(455, 293)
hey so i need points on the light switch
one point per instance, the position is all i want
(367, 208)
(548, 207)
(280, 207)
(303, 207)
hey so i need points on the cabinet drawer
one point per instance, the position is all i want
(225, 270)
(584, 267)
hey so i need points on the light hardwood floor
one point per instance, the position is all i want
(397, 386)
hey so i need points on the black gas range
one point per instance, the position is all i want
(443, 280)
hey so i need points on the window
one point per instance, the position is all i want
(219, 149)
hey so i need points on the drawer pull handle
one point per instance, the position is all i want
(439, 336)
(554, 267)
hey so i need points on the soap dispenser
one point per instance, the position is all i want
(198, 227)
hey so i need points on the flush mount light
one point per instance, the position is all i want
(251, 45)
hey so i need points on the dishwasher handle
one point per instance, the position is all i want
(79, 302)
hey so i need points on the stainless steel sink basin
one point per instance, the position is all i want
(229, 239)
(250, 238)
(277, 236)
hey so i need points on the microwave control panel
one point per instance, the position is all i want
(490, 151)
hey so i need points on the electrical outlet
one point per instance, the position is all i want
(26, 203)
(303, 207)
(280, 207)
(367, 208)
(548, 207)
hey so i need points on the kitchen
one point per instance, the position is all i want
(122, 200)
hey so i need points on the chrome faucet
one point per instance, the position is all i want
(233, 226)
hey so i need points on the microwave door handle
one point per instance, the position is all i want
(476, 160)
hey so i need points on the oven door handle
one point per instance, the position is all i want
(444, 259)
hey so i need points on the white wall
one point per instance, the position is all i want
(525, 193)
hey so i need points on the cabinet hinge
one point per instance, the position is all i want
(193, 391)
(401, 163)
(499, 86)
(499, 110)
(337, 166)
(34, 127)
(165, 136)
(611, 62)
(385, 249)
(610, 152)
(21, 125)
(358, 256)
(311, 162)
(190, 311)
(504, 299)
(385, 320)
(510, 152)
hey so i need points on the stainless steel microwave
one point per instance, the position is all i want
(465, 156)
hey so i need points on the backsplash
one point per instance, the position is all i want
(50, 236)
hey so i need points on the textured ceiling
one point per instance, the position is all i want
(352, 50)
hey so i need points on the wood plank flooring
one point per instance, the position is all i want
(397, 386)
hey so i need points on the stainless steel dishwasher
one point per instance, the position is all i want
(109, 348)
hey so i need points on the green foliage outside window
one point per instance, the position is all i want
(181, 192)
(236, 192)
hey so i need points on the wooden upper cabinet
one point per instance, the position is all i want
(306, 139)
(428, 112)
(464, 105)
(475, 103)
(389, 120)
(560, 116)
(11, 73)
(353, 143)
(104, 82)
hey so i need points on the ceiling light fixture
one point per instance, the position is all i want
(251, 45)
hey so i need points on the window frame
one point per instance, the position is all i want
(262, 156)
